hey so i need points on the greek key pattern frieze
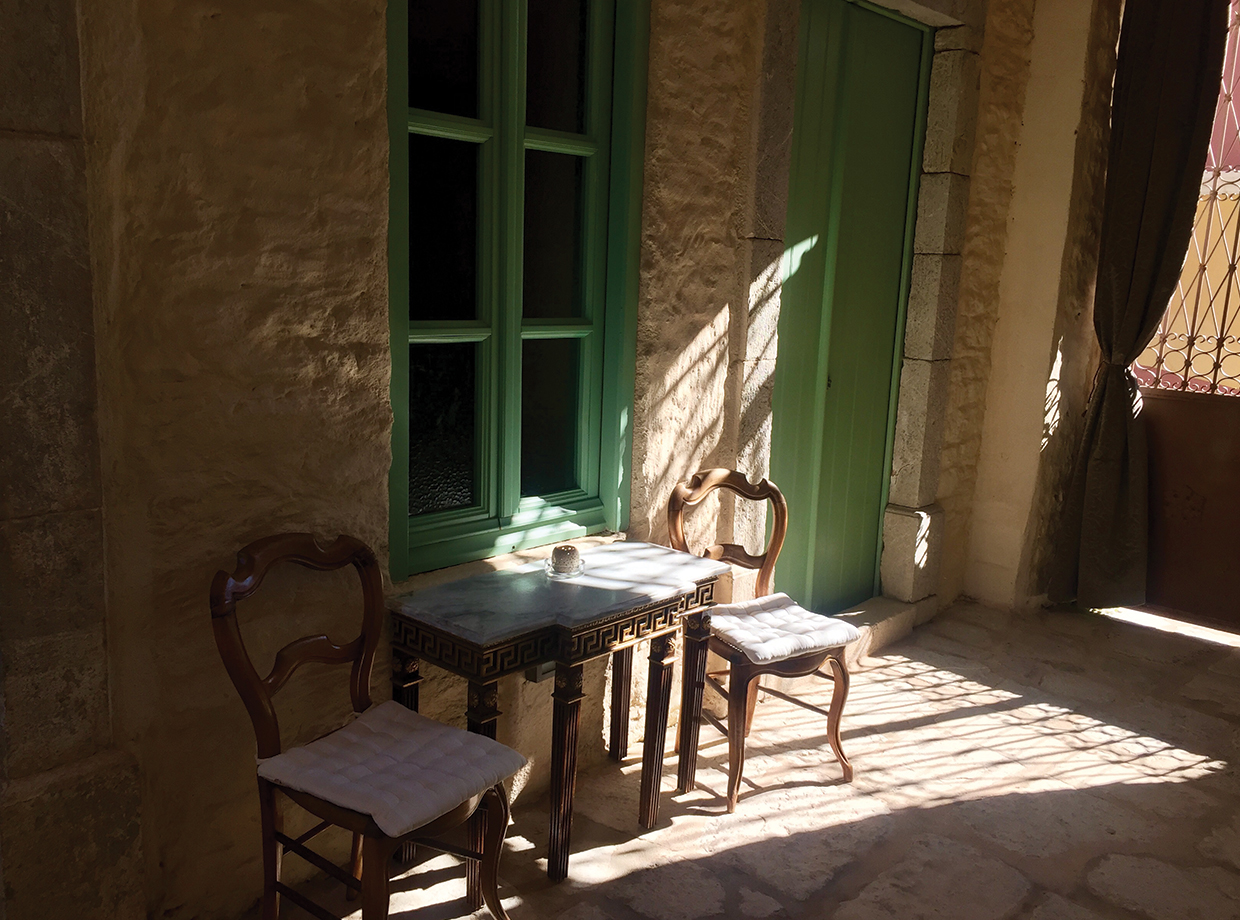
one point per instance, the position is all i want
(416, 641)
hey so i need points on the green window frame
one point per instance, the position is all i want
(610, 152)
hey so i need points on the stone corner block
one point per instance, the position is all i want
(951, 122)
(912, 549)
(960, 38)
(918, 443)
(926, 609)
(942, 203)
(933, 298)
(72, 842)
(881, 621)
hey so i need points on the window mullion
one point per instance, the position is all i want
(594, 250)
(510, 150)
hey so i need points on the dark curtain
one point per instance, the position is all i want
(1166, 88)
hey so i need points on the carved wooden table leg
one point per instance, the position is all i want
(621, 689)
(406, 675)
(658, 698)
(481, 715)
(567, 698)
(693, 682)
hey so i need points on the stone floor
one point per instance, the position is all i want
(1048, 766)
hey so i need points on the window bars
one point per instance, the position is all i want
(1196, 347)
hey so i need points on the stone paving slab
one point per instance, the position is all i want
(1009, 766)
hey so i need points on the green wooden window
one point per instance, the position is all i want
(516, 152)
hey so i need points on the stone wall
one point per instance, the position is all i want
(1004, 60)
(1077, 354)
(1025, 349)
(68, 798)
(913, 521)
(237, 167)
(705, 61)
(232, 378)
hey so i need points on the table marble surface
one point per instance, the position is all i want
(497, 606)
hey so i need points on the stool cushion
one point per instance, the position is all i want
(399, 767)
(774, 627)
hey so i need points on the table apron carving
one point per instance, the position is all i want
(554, 643)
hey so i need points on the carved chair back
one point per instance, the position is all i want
(694, 489)
(253, 563)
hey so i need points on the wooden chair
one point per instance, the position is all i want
(768, 635)
(390, 776)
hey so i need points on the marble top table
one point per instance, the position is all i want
(487, 626)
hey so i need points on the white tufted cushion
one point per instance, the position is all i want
(399, 767)
(773, 628)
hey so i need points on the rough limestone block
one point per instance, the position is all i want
(72, 844)
(919, 432)
(934, 293)
(55, 698)
(51, 570)
(912, 549)
(955, 79)
(961, 38)
(926, 609)
(39, 68)
(941, 205)
(773, 155)
(50, 460)
(881, 621)
(762, 321)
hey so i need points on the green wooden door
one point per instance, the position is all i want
(862, 78)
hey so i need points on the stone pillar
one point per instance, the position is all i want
(69, 809)
(913, 522)
(1026, 352)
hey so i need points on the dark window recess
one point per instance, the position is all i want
(549, 403)
(551, 278)
(442, 432)
(443, 228)
(555, 80)
(443, 56)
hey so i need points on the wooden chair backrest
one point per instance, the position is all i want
(697, 487)
(253, 563)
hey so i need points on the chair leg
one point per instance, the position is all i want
(496, 803)
(739, 681)
(751, 703)
(355, 866)
(839, 696)
(273, 850)
(375, 854)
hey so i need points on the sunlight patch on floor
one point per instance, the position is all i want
(1172, 625)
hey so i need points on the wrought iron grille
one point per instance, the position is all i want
(1196, 346)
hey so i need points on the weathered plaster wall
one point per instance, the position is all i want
(1024, 344)
(1077, 352)
(68, 800)
(705, 61)
(237, 163)
(1023, 349)
(1005, 56)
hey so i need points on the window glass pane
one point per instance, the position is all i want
(551, 284)
(443, 228)
(549, 398)
(443, 56)
(555, 79)
(442, 433)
